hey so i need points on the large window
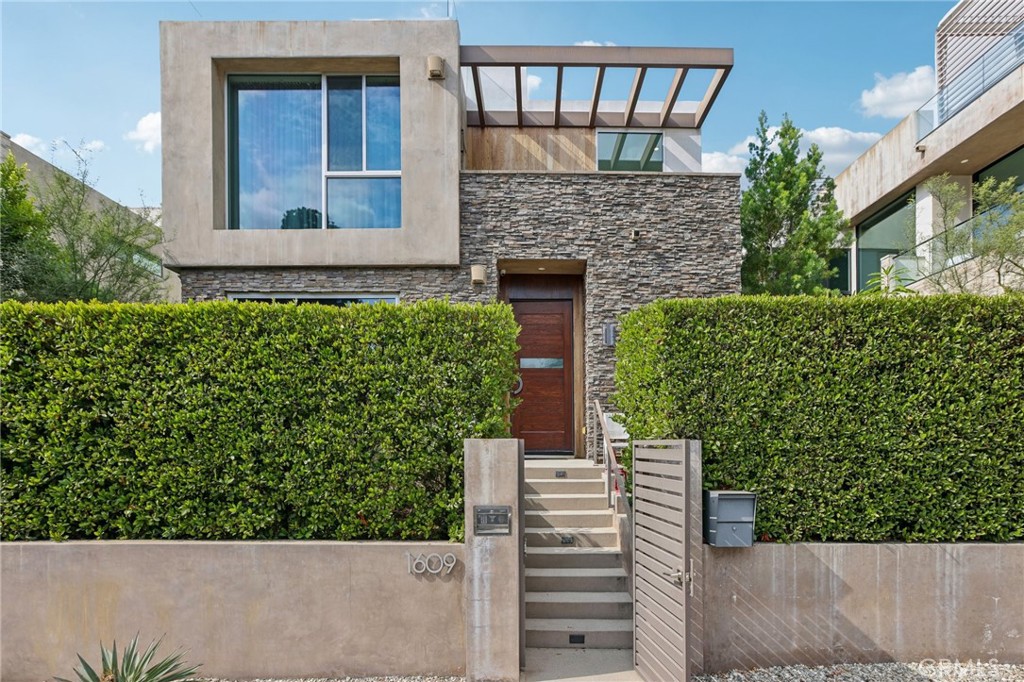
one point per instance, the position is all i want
(620, 151)
(305, 147)
(887, 233)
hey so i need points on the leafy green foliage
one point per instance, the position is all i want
(862, 419)
(789, 220)
(24, 247)
(133, 666)
(72, 244)
(246, 421)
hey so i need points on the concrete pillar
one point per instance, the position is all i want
(494, 563)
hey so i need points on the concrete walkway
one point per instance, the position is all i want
(579, 665)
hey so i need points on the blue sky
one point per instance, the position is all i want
(845, 72)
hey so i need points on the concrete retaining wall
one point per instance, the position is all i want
(830, 603)
(243, 609)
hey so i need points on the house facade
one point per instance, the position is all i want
(384, 161)
(972, 130)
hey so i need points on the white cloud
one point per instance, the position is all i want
(721, 162)
(432, 11)
(839, 147)
(900, 94)
(94, 146)
(532, 83)
(594, 43)
(147, 132)
(31, 143)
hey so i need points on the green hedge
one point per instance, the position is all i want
(858, 419)
(239, 421)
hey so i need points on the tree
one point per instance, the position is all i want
(983, 253)
(789, 220)
(24, 248)
(87, 247)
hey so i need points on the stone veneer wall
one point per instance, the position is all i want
(688, 246)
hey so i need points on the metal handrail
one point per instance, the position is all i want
(611, 466)
(974, 81)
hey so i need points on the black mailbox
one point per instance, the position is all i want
(729, 518)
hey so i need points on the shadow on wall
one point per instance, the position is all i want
(821, 604)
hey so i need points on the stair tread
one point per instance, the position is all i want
(573, 550)
(581, 624)
(566, 496)
(581, 597)
(561, 464)
(575, 572)
(570, 530)
(586, 512)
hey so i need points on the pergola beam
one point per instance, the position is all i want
(634, 95)
(606, 56)
(558, 97)
(479, 95)
(596, 99)
(714, 87)
(673, 94)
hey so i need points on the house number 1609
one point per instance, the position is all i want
(435, 564)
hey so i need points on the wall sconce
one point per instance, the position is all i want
(478, 274)
(611, 331)
(435, 68)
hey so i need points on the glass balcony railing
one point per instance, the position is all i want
(947, 249)
(1002, 58)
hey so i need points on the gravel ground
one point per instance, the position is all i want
(876, 672)
(943, 671)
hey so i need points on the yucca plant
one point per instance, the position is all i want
(132, 667)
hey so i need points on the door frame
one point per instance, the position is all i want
(515, 279)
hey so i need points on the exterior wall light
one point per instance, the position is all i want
(478, 274)
(435, 68)
(611, 333)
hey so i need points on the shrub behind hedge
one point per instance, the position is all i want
(238, 421)
(860, 419)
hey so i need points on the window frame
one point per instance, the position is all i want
(627, 131)
(232, 192)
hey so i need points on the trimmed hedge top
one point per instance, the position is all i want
(246, 421)
(857, 419)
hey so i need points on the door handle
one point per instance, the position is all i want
(519, 386)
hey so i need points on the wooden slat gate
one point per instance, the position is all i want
(662, 570)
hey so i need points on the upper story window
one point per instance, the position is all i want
(621, 151)
(304, 147)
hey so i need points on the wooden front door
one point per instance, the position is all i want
(544, 418)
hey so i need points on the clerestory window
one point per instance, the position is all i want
(304, 147)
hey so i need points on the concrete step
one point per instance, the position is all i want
(579, 605)
(571, 537)
(554, 501)
(576, 580)
(571, 469)
(564, 518)
(563, 486)
(587, 633)
(573, 557)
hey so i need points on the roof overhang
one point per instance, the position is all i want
(682, 60)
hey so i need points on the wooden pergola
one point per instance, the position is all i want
(682, 59)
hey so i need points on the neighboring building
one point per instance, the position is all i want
(40, 174)
(381, 160)
(972, 129)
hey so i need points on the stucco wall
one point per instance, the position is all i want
(242, 609)
(195, 59)
(688, 246)
(818, 604)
